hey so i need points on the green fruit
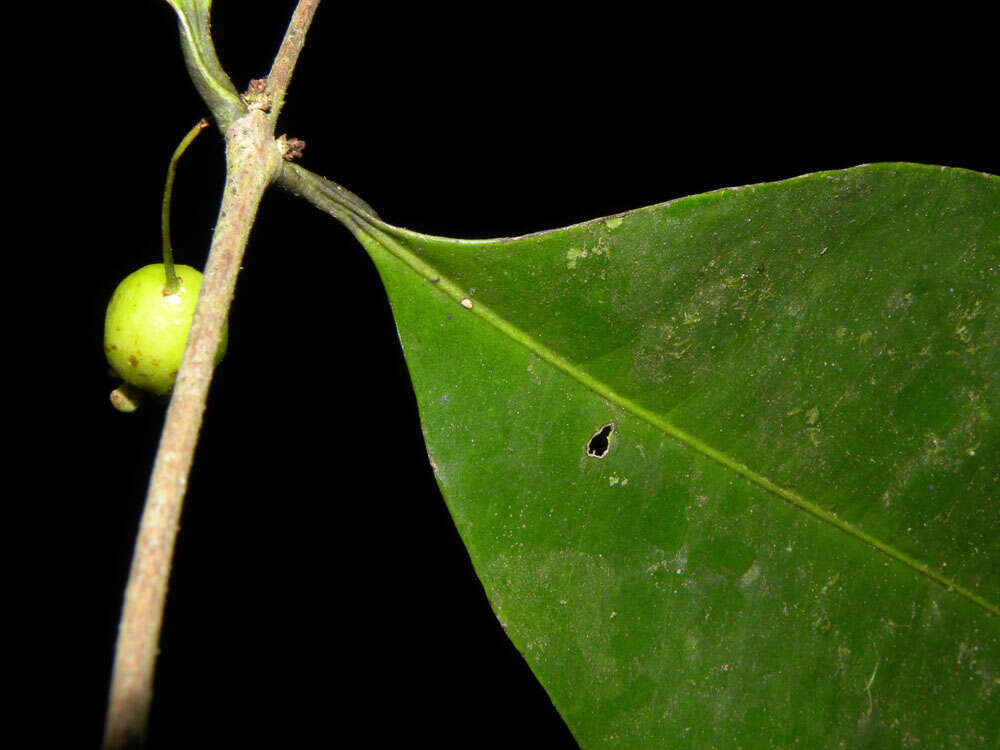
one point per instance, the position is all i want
(145, 330)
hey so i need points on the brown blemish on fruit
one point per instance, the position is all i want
(180, 286)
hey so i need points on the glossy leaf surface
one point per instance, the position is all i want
(729, 467)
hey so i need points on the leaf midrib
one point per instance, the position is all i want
(383, 234)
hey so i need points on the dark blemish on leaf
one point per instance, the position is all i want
(600, 442)
(435, 281)
(448, 316)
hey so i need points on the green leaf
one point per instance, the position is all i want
(729, 467)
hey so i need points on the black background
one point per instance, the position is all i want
(319, 587)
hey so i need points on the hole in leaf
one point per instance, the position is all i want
(601, 441)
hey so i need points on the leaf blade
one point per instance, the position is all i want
(597, 284)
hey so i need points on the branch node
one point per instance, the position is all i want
(256, 96)
(291, 148)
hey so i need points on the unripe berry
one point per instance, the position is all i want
(145, 330)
